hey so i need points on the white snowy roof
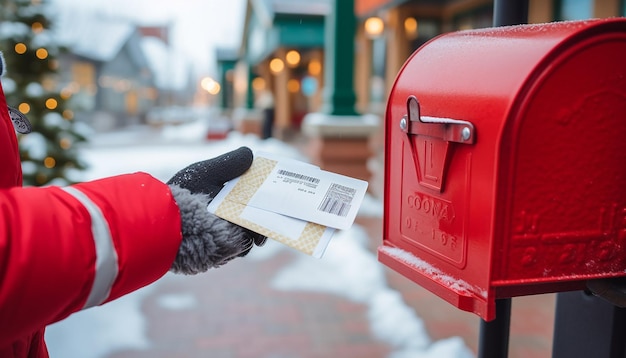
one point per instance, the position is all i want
(100, 37)
(92, 35)
(171, 69)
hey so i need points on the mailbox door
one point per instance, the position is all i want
(437, 195)
(439, 189)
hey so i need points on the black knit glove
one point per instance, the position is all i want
(209, 241)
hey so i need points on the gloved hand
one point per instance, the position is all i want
(209, 241)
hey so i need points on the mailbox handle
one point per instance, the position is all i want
(448, 129)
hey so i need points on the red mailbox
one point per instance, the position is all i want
(505, 162)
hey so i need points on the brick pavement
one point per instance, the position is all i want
(238, 315)
(532, 317)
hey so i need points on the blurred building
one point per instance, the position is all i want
(284, 55)
(107, 73)
(281, 53)
(392, 30)
(282, 48)
(117, 71)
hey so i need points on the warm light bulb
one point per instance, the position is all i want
(410, 27)
(24, 107)
(374, 26)
(258, 84)
(41, 53)
(51, 103)
(215, 89)
(315, 67)
(277, 65)
(20, 48)
(49, 162)
(210, 85)
(37, 27)
(292, 58)
(293, 86)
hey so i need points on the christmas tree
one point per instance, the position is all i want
(49, 153)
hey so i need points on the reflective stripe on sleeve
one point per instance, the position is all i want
(106, 256)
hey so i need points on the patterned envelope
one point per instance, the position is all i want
(230, 204)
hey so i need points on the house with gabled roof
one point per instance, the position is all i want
(115, 71)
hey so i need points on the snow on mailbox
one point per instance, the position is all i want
(505, 162)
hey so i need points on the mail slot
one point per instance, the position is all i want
(505, 162)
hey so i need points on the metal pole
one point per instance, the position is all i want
(339, 30)
(510, 12)
(588, 326)
(494, 335)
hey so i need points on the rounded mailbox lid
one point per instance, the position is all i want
(478, 74)
(473, 192)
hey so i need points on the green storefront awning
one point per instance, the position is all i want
(291, 31)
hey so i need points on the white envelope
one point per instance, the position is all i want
(229, 204)
(304, 191)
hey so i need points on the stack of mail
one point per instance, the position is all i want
(292, 202)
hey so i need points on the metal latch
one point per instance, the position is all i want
(451, 130)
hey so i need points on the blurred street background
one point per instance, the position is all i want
(118, 86)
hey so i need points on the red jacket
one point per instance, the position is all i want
(67, 249)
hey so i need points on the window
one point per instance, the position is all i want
(574, 9)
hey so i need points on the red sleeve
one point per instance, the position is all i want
(49, 252)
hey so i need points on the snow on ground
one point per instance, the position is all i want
(96, 332)
(361, 279)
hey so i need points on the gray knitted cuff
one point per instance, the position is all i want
(208, 241)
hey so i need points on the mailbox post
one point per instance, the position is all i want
(504, 165)
(588, 326)
(494, 335)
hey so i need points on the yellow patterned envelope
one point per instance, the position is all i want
(231, 204)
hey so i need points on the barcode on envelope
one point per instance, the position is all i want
(298, 176)
(338, 200)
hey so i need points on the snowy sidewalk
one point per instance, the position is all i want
(277, 302)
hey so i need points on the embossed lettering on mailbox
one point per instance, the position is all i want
(544, 252)
(430, 222)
